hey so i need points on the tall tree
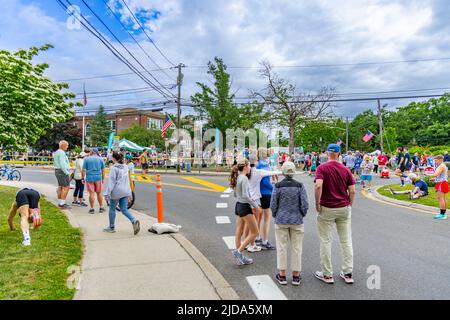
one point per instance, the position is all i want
(60, 131)
(316, 135)
(288, 107)
(30, 103)
(216, 104)
(100, 129)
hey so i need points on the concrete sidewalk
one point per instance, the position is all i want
(146, 266)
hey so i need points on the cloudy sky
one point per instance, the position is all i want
(302, 38)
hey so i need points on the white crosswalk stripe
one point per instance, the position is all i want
(222, 219)
(224, 195)
(229, 241)
(265, 288)
(222, 205)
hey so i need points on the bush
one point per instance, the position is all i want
(429, 149)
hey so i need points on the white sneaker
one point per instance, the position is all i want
(26, 242)
(254, 249)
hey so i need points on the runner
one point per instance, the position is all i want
(401, 166)
(129, 162)
(334, 195)
(442, 187)
(79, 186)
(118, 190)
(350, 161)
(420, 188)
(27, 202)
(243, 210)
(367, 168)
(416, 162)
(62, 173)
(289, 206)
(382, 162)
(94, 175)
(143, 159)
(375, 163)
(357, 168)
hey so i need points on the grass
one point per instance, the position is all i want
(429, 200)
(37, 272)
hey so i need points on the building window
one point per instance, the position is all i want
(154, 123)
(112, 124)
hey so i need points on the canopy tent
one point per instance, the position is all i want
(128, 145)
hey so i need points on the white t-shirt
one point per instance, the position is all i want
(255, 181)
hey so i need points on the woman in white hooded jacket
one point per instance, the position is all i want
(118, 190)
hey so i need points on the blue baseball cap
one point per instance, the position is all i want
(95, 150)
(334, 148)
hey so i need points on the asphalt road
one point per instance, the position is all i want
(410, 248)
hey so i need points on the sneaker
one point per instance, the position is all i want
(75, 203)
(136, 227)
(391, 191)
(296, 280)
(254, 249)
(64, 207)
(91, 211)
(440, 217)
(101, 210)
(281, 279)
(243, 260)
(258, 241)
(327, 279)
(82, 204)
(26, 242)
(348, 278)
(109, 230)
(267, 246)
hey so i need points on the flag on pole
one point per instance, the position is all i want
(167, 123)
(369, 135)
(84, 95)
(339, 142)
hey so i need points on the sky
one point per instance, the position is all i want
(242, 33)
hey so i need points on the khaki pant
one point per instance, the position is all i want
(294, 233)
(326, 219)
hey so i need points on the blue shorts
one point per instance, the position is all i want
(366, 177)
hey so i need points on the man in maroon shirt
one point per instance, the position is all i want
(334, 193)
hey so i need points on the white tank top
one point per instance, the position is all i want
(443, 176)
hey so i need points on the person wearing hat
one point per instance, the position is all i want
(129, 162)
(94, 175)
(367, 168)
(79, 186)
(420, 188)
(334, 195)
(289, 205)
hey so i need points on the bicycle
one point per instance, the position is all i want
(10, 173)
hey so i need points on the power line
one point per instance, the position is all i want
(110, 75)
(126, 49)
(145, 32)
(108, 45)
(334, 65)
(122, 91)
(125, 28)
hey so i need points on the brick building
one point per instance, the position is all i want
(125, 118)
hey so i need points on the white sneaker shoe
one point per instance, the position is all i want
(254, 249)
(26, 242)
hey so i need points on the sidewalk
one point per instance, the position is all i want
(143, 267)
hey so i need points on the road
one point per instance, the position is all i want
(410, 248)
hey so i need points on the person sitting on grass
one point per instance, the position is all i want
(420, 188)
(27, 202)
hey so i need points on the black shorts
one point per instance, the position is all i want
(265, 201)
(145, 166)
(28, 197)
(243, 209)
(402, 169)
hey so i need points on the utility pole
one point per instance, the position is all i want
(179, 84)
(380, 120)
(346, 135)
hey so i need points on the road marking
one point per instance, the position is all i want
(229, 241)
(222, 219)
(221, 205)
(224, 195)
(265, 288)
(229, 190)
(205, 183)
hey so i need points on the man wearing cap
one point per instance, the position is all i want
(334, 195)
(94, 175)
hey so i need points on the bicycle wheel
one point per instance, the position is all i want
(15, 176)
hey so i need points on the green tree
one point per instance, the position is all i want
(30, 103)
(100, 129)
(359, 126)
(316, 135)
(215, 104)
(60, 131)
(144, 137)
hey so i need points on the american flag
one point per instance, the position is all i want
(84, 95)
(369, 135)
(167, 123)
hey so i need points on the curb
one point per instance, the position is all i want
(222, 287)
(406, 204)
